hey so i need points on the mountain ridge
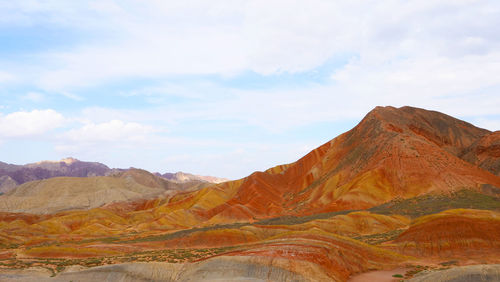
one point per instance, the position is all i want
(363, 167)
(406, 188)
(58, 194)
(12, 175)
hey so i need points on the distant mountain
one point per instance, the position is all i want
(13, 175)
(148, 179)
(184, 177)
(7, 184)
(59, 194)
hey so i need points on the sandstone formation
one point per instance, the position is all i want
(393, 153)
(452, 233)
(405, 189)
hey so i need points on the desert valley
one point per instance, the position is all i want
(407, 194)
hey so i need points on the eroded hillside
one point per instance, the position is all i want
(406, 188)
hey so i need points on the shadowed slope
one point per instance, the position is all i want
(13, 175)
(485, 153)
(7, 183)
(47, 169)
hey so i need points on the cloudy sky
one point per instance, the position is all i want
(225, 88)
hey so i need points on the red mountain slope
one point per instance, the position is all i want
(391, 153)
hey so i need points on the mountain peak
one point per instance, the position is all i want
(68, 161)
(184, 177)
(443, 130)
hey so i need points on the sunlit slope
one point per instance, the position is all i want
(82, 193)
(392, 153)
(327, 248)
(317, 255)
(458, 232)
(148, 179)
(297, 256)
(405, 186)
(311, 251)
(173, 230)
(66, 193)
(485, 153)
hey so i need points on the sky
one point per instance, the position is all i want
(226, 88)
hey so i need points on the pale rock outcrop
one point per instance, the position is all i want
(477, 273)
(215, 269)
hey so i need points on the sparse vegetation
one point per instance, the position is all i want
(413, 207)
(9, 246)
(56, 265)
(417, 269)
(434, 203)
(292, 220)
(448, 263)
(375, 239)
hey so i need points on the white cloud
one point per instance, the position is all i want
(158, 39)
(492, 124)
(106, 140)
(113, 131)
(251, 157)
(460, 86)
(33, 97)
(6, 77)
(71, 96)
(441, 55)
(25, 124)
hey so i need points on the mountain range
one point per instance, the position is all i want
(407, 192)
(13, 175)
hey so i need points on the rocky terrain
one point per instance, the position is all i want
(405, 190)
